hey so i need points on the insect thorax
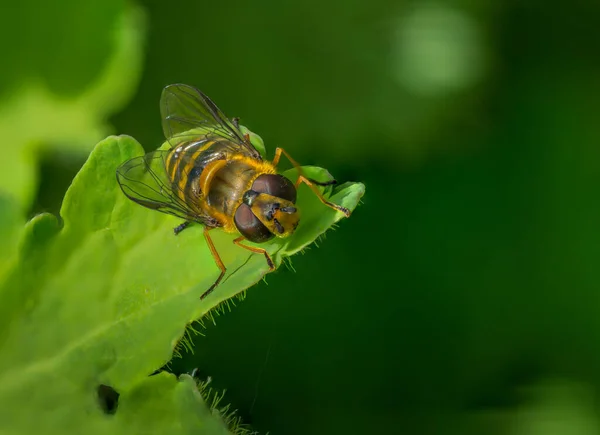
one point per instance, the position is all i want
(227, 187)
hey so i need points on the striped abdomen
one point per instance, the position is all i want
(185, 164)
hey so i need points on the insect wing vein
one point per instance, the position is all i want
(144, 180)
(185, 109)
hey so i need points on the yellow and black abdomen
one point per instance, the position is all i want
(185, 165)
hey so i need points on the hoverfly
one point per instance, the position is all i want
(213, 175)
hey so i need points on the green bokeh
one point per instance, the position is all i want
(63, 45)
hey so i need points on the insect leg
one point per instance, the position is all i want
(277, 157)
(218, 260)
(179, 228)
(236, 122)
(309, 182)
(322, 183)
(256, 250)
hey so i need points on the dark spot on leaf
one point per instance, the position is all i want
(108, 398)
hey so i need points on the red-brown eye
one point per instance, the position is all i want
(275, 185)
(249, 226)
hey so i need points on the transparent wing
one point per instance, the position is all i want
(187, 114)
(145, 180)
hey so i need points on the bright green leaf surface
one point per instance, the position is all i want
(105, 298)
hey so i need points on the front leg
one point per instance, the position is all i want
(218, 261)
(309, 181)
(179, 228)
(257, 251)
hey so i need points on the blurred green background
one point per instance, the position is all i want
(463, 295)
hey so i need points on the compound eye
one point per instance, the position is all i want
(250, 226)
(275, 185)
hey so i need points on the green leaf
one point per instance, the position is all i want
(164, 403)
(106, 297)
(11, 226)
(256, 141)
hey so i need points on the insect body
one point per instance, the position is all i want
(213, 175)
